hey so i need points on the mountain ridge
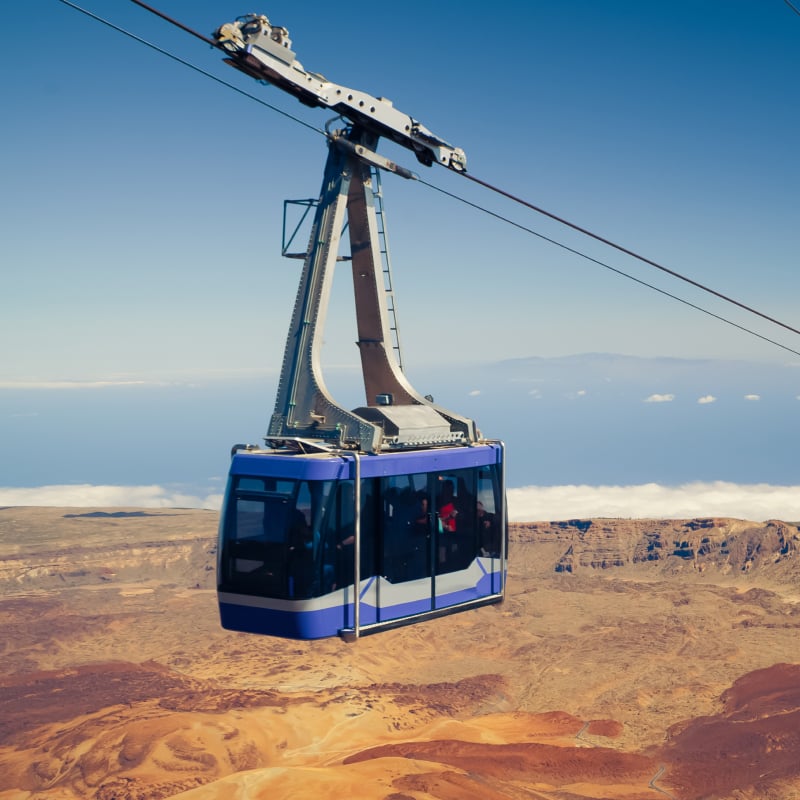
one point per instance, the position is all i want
(723, 545)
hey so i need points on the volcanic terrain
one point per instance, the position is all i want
(631, 659)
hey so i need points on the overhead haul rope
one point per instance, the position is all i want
(476, 180)
(628, 252)
(603, 264)
(189, 63)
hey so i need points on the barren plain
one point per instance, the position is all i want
(631, 660)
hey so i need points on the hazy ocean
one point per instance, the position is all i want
(577, 420)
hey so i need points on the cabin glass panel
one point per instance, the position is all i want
(268, 546)
(488, 519)
(421, 537)
(406, 527)
(337, 538)
(467, 528)
(455, 511)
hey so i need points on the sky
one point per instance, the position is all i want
(145, 302)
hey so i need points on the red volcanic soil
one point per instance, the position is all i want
(754, 742)
(609, 728)
(28, 702)
(621, 672)
(514, 762)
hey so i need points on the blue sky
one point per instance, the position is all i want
(141, 210)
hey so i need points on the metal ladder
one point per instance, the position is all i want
(309, 206)
(386, 263)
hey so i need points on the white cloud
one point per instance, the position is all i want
(659, 398)
(474, 392)
(756, 502)
(87, 495)
(74, 384)
(752, 397)
(537, 395)
(173, 377)
(706, 399)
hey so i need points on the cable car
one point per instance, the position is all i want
(351, 521)
(418, 532)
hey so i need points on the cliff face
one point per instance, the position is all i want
(94, 548)
(83, 548)
(718, 544)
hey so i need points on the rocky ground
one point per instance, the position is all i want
(631, 660)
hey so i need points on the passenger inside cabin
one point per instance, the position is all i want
(447, 508)
(447, 512)
(421, 517)
(345, 547)
(419, 541)
(300, 556)
(488, 532)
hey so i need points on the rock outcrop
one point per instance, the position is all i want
(720, 544)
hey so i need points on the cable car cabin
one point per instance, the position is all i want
(420, 533)
(365, 519)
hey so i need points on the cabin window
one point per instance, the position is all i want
(338, 536)
(456, 510)
(269, 547)
(406, 527)
(294, 539)
(488, 521)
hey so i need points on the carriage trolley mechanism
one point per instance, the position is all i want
(349, 522)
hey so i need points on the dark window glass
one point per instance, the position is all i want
(488, 517)
(455, 505)
(406, 525)
(338, 536)
(269, 540)
(295, 539)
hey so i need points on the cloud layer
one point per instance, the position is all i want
(755, 502)
(90, 496)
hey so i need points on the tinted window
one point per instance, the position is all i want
(269, 537)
